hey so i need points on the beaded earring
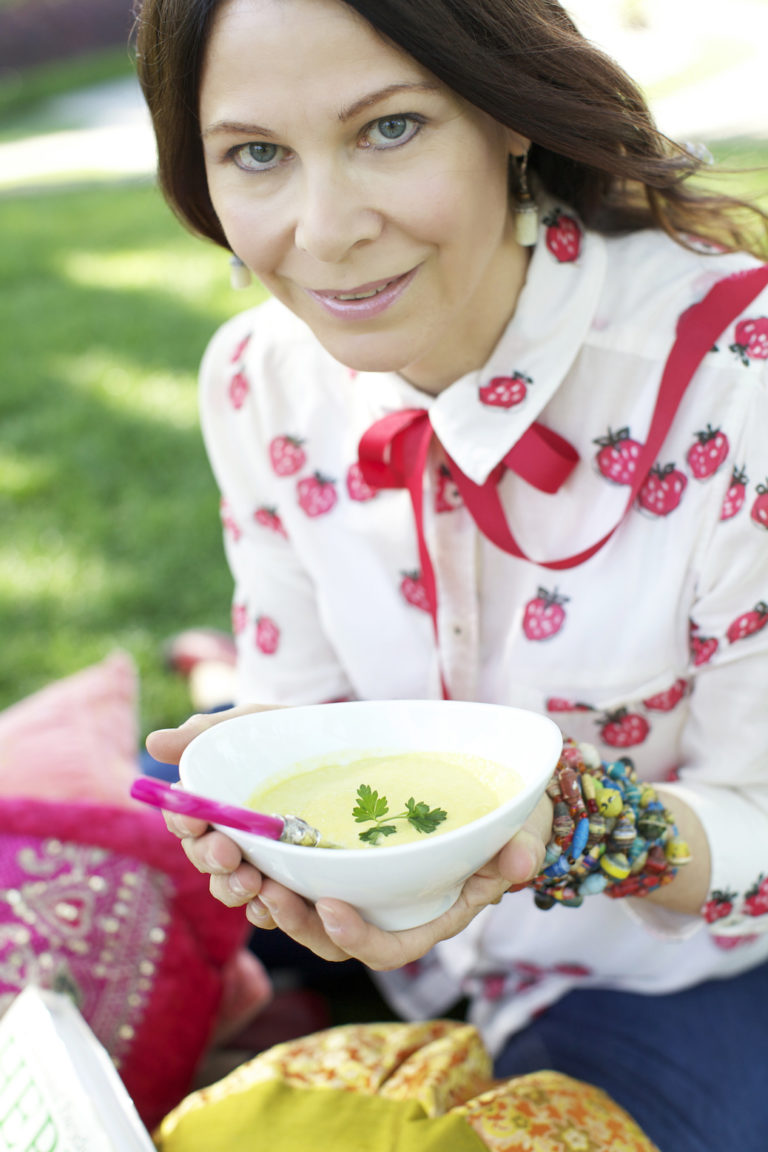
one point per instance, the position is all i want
(526, 208)
(239, 273)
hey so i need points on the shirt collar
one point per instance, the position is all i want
(480, 417)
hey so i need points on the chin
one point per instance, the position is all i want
(364, 355)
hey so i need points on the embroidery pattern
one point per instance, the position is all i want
(82, 920)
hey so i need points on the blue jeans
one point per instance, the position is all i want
(690, 1067)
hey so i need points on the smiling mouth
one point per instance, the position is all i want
(364, 292)
(366, 300)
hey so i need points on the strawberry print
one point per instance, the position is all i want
(447, 496)
(756, 900)
(759, 510)
(268, 518)
(662, 490)
(624, 729)
(267, 635)
(703, 648)
(563, 236)
(751, 340)
(736, 494)
(413, 590)
(240, 347)
(505, 391)
(286, 455)
(230, 525)
(617, 458)
(544, 615)
(719, 905)
(238, 389)
(748, 623)
(559, 704)
(317, 494)
(728, 943)
(666, 701)
(708, 453)
(357, 488)
(239, 618)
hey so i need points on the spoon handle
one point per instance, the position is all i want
(161, 795)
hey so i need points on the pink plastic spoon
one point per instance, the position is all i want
(288, 829)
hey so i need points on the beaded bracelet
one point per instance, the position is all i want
(610, 833)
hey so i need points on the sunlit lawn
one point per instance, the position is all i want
(109, 513)
(106, 500)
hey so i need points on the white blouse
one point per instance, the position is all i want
(656, 647)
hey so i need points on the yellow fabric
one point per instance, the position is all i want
(395, 1088)
(280, 1116)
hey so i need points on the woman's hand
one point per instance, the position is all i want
(331, 928)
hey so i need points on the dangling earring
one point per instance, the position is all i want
(239, 273)
(526, 208)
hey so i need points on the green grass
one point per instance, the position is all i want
(109, 509)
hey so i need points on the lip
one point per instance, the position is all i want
(387, 292)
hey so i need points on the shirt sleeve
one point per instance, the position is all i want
(724, 771)
(284, 655)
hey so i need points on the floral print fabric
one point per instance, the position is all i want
(441, 1065)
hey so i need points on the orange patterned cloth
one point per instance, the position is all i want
(396, 1086)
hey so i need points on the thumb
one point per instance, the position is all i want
(523, 857)
(167, 744)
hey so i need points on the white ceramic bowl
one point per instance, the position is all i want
(392, 887)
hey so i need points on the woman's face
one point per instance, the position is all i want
(364, 194)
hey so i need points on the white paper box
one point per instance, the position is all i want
(59, 1090)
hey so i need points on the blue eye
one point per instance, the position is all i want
(393, 127)
(391, 131)
(258, 156)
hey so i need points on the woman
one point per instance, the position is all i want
(378, 166)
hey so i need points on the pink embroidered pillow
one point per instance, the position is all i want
(98, 899)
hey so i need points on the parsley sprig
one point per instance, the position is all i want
(371, 807)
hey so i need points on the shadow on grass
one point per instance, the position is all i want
(109, 509)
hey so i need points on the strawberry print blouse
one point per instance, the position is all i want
(655, 648)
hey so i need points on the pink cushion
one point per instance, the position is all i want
(96, 896)
(76, 738)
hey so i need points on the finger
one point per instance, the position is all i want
(297, 918)
(167, 744)
(212, 852)
(183, 826)
(236, 888)
(383, 951)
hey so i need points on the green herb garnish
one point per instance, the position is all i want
(372, 807)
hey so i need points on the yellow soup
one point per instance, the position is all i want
(464, 787)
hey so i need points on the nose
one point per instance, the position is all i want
(334, 214)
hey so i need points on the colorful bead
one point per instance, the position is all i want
(615, 865)
(580, 837)
(623, 833)
(610, 833)
(594, 883)
(610, 802)
(562, 824)
(651, 825)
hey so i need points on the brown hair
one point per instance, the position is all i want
(524, 62)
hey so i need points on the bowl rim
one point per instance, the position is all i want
(393, 851)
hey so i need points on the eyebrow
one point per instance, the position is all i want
(239, 127)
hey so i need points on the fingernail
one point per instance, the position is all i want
(237, 888)
(330, 923)
(258, 911)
